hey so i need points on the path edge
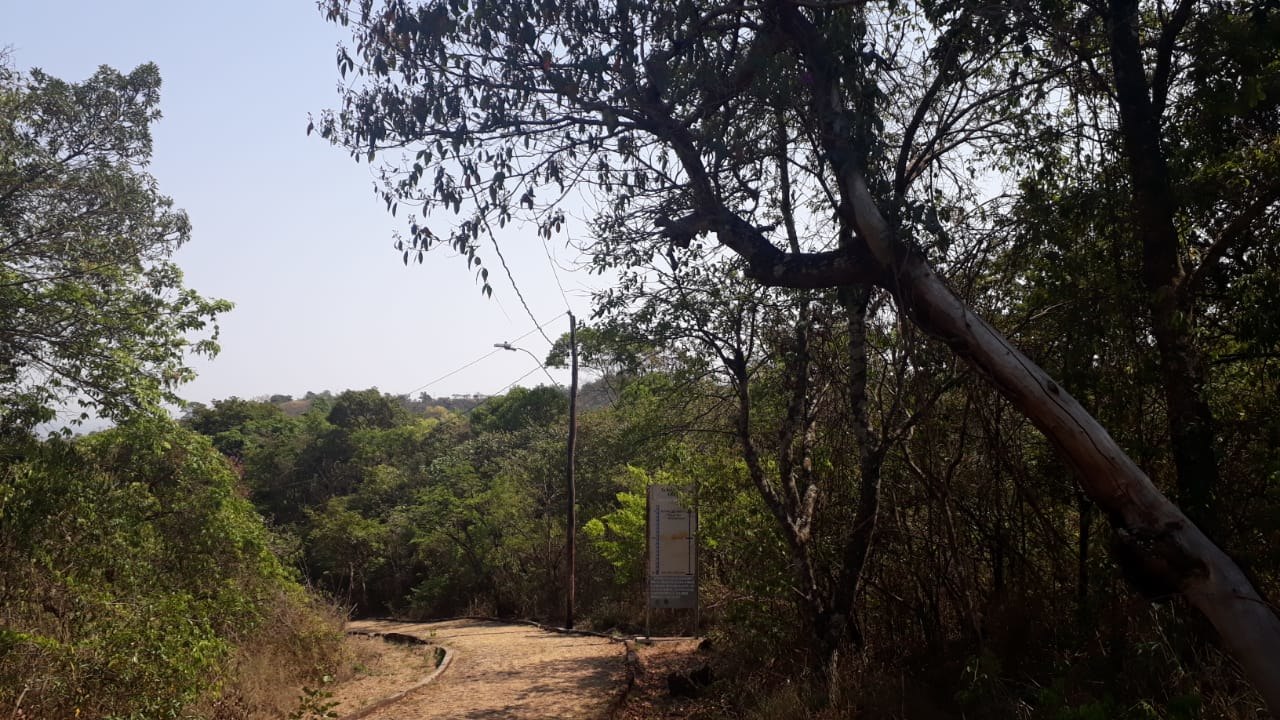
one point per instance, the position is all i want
(397, 697)
(518, 621)
(631, 669)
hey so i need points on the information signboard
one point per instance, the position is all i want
(673, 570)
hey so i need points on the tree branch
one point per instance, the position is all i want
(1231, 234)
(1164, 55)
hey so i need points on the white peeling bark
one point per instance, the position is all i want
(1171, 550)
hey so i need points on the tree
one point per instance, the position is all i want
(520, 408)
(356, 409)
(234, 425)
(822, 392)
(94, 308)
(1197, 199)
(666, 111)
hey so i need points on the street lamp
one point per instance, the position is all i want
(509, 346)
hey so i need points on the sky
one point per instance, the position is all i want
(288, 227)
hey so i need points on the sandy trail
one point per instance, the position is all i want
(509, 671)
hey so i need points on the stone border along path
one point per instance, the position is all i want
(504, 670)
(368, 710)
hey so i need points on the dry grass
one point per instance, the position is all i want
(374, 669)
(302, 644)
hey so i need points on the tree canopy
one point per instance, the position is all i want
(856, 143)
(94, 308)
(134, 576)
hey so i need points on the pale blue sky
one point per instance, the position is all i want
(286, 226)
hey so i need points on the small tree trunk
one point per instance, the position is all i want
(1190, 420)
(1165, 549)
(1085, 509)
(857, 546)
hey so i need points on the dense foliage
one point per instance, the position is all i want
(1026, 247)
(135, 577)
(986, 585)
(135, 580)
(94, 308)
(954, 319)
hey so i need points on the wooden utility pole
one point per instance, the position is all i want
(572, 530)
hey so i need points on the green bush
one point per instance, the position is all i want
(130, 569)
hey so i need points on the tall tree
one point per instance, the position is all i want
(1152, 86)
(658, 107)
(93, 307)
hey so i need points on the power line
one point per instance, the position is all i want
(493, 238)
(513, 384)
(555, 274)
(489, 354)
(454, 372)
(539, 328)
(509, 346)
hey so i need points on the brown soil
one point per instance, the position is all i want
(498, 670)
(650, 697)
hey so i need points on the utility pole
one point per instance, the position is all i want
(573, 490)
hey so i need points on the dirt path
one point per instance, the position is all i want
(509, 671)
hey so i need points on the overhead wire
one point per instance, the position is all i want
(556, 274)
(493, 238)
(517, 380)
(451, 373)
(539, 328)
(489, 354)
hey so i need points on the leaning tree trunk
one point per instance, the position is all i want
(1173, 553)
(1159, 547)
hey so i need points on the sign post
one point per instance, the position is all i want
(672, 569)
